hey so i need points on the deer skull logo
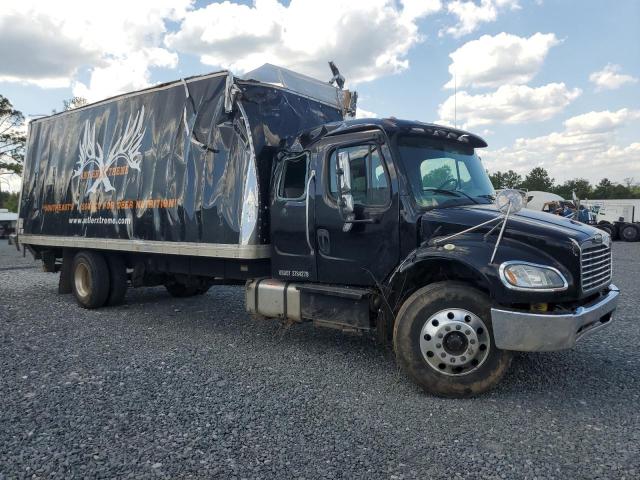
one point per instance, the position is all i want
(127, 148)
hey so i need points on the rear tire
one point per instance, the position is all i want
(117, 280)
(443, 339)
(630, 233)
(90, 279)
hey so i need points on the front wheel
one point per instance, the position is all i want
(444, 340)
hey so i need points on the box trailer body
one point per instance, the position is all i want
(619, 217)
(367, 225)
(174, 169)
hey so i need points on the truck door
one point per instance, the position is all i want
(356, 253)
(292, 226)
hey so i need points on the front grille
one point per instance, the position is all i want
(595, 266)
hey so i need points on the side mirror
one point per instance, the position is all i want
(343, 172)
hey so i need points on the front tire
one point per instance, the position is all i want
(90, 279)
(443, 339)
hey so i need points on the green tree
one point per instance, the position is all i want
(9, 201)
(12, 140)
(580, 186)
(604, 189)
(620, 191)
(508, 179)
(538, 179)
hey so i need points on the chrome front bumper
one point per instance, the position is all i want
(540, 332)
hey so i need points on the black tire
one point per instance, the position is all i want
(117, 280)
(630, 233)
(90, 279)
(435, 300)
(180, 290)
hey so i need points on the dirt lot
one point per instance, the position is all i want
(178, 388)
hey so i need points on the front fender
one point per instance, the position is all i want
(469, 258)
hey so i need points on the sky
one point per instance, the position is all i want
(551, 83)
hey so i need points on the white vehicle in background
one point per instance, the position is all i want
(8, 221)
(620, 217)
(537, 200)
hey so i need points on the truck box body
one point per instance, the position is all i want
(617, 210)
(179, 168)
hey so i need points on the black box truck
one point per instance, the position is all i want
(371, 225)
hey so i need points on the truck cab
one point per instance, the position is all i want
(390, 226)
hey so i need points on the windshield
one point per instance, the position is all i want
(442, 174)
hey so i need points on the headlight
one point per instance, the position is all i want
(517, 275)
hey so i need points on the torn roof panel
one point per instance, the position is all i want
(298, 83)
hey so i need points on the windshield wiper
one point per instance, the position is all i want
(441, 190)
(468, 196)
(455, 193)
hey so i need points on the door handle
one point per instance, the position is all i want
(312, 175)
(324, 243)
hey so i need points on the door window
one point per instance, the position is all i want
(293, 180)
(369, 179)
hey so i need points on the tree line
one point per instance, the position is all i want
(539, 179)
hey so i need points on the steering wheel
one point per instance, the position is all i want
(447, 182)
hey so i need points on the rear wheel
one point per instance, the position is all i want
(630, 233)
(90, 279)
(444, 340)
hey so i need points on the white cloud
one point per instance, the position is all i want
(601, 122)
(59, 38)
(586, 147)
(362, 113)
(509, 104)
(471, 14)
(125, 74)
(33, 52)
(366, 39)
(491, 61)
(609, 78)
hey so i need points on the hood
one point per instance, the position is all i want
(526, 225)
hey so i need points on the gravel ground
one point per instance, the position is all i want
(196, 388)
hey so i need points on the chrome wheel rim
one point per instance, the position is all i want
(82, 279)
(455, 342)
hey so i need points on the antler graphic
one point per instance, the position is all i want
(126, 147)
(90, 153)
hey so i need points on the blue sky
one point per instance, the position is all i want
(563, 91)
